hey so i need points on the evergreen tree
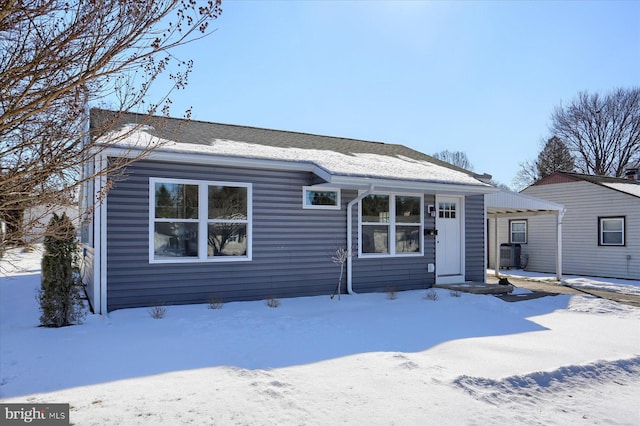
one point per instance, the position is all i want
(555, 156)
(59, 295)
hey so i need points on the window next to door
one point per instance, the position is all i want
(391, 225)
(518, 231)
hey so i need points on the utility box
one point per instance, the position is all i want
(510, 255)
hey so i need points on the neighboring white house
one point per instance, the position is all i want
(37, 218)
(600, 229)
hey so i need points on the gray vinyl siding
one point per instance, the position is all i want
(582, 255)
(292, 246)
(395, 273)
(86, 272)
(474, 238)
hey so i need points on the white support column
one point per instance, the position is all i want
(485, 254)
(559, 216)
(496, 248)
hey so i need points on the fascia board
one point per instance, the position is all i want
(413, 186)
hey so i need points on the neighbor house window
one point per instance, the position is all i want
(320, 198)
(518, 231)
(199, 221)
(391, 225)
(611, 231)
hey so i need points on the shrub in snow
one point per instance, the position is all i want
(59, 296)
(340, 257)
(272, 303)
(391, 293)
(215, 302)
(431, 295)
(454, 293)
(157, 312)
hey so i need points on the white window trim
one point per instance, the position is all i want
(526, 231)
(392, 227)
(601, 231)
(305, 205)
(203, 221)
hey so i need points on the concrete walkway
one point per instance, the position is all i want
(553, 286)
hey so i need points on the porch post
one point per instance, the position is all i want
(559, 216)
(496, 248)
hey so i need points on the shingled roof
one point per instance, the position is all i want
(206, 134)
(627, 186)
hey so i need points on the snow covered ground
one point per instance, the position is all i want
(363, 360)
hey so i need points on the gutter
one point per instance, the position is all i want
(350, 237)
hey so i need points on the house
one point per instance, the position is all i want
(600, 228)
(242, 213)
(37, 218)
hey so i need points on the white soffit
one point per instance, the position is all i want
(507, 202)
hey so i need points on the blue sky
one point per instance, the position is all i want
(479, 77)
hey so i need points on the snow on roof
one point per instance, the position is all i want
(629, 188)
(336, 163)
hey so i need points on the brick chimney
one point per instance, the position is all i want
(632, 174)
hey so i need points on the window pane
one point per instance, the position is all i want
(518, 237)
(322, 198)
(612, 238)
(612, 225)
(407, 209)
(176, 201)
(176, 239)
(375, 239)
(407, 239)
(447, 210)
(518, 227)
(227, 202)
(227, 239)
(375, 208)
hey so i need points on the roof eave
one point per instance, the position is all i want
(218, 160)
(343, 181)
(383, 184)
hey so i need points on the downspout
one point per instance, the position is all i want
(350, 237)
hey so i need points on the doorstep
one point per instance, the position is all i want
(477, 287)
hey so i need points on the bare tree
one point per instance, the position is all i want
(457, 158)
(601, 131)
(527, 175)
(57, 57)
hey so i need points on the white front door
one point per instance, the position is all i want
(449, 241)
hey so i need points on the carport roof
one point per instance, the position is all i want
(506, 203)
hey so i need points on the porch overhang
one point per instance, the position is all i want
(513, 204)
